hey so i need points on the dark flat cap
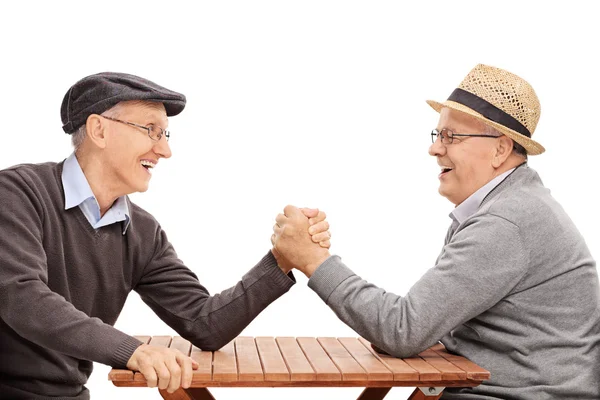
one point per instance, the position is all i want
(97, 93)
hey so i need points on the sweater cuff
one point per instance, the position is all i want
(268, 267)
(124, 352)
(328, 277)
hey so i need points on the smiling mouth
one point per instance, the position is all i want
(148, 165)
(445, 170)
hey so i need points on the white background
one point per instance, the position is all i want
(312, 103)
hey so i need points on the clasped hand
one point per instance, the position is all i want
(301, 239)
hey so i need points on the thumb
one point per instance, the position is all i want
(310, 212)
(291, 211)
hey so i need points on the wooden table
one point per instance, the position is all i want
(313, 362)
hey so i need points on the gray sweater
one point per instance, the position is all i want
(63, 285)
(514, 289)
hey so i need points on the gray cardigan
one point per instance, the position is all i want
(515, 289)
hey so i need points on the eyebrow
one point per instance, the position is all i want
(151, 119)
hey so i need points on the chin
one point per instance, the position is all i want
(442, 192)
(447, 195)
(141, 187)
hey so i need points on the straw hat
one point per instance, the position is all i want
(501, 100)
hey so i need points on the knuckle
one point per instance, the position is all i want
(151, 380)
(164, 375)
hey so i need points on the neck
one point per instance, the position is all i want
(512, 162)
(99, 178)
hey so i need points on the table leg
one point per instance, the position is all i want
(374, 393)
(187, 394)
(419, 395)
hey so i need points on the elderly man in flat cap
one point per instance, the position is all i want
(514, 289)
(72, 247)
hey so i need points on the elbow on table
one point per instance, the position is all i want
(402, 352)
(403, 349)
(210, 342)
(206, 337)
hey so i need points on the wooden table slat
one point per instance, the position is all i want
(427, 372)
(449, 371)
(401, 370)
(182, 345)
(298, 365)
(374, 368)
(248, 362)
(224, 364)
(350, 369)
(205, 361)
(162, 341)
(473, 370)
(143, 338)
(272, 361)
(322, 364)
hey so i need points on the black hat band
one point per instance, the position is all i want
(488, 110)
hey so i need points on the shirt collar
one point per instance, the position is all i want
(78, 190)
(468, 207)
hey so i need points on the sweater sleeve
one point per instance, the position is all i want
(27, 305)
(482, 263)
(174, 293)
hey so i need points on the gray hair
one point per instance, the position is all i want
(517, 148)
(78, 137)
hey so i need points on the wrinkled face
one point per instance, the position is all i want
(130, 154)
(466, 163)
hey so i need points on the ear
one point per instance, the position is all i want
(502, 150)
(95, 130)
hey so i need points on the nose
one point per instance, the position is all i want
(437, 148)
(162, 148)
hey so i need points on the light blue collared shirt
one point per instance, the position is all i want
(468, 207)
(79, 193)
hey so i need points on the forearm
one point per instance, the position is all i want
(383, 318)
(210, 322)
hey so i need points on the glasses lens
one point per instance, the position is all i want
(446, 136)
(155, 132)
(434, 135)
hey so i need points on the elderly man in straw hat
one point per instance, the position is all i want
(514, 289)
(73, 246)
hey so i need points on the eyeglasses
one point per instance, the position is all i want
(154, 132)
(448, 136)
